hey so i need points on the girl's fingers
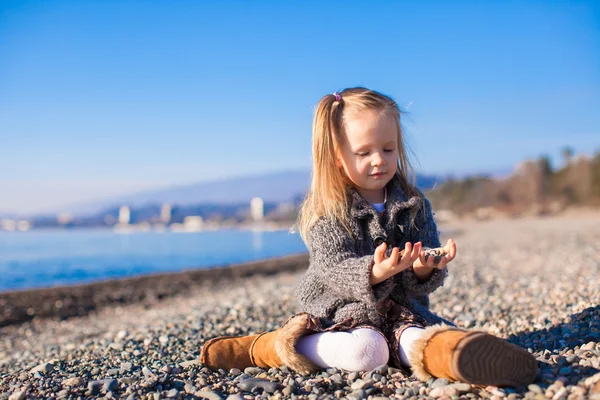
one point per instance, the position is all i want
(423, 258)
(416, 251)
(450, 250)
(453, 250)
(407, 251)
(450, 247)
(394, 255)
(379, 253)
(442, 263)
(431, 262)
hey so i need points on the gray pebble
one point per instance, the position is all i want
(438, 383)
(189, 363)
(253, 370)
(252, 383)
(201, 381)
(189, 388)
(360, 384)
(381, 370)
(337, 378)
(95, 386)
(209, 395)
(44, 368)
(20, 395)
(377, 377)
(357, 395)
(76, 381)
(109, 384)
(126, 366)
(462, 387)
(288, 390)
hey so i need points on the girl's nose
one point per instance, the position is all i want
(376, 159)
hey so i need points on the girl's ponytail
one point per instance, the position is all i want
(327, 193)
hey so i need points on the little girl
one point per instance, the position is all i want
(375, 256)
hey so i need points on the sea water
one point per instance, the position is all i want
(44, 258)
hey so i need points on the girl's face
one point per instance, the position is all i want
(369, 153)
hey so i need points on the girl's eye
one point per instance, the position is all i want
(388, 150)
(362, 154)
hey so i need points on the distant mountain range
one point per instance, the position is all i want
(271, 187)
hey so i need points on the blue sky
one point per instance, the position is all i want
(105, 97)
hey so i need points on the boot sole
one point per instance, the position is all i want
(483, 359)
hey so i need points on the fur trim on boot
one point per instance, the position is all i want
(473, 357)
(265, 350)
(285, 345)
(415, 355)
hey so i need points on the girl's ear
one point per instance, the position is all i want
(338, 158)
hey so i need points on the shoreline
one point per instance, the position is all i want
(80, 299)
(61, 302)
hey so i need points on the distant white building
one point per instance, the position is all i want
(64, 218)
(23, 225)
(193, 223)
(124, 215)
(257, 209)
(165, 213)
(8, 224)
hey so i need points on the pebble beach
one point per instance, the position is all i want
(534, 282)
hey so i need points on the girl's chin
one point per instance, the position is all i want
(376, 186)
(379, 181)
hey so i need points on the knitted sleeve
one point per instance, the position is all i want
(426, 232)
(334, 257)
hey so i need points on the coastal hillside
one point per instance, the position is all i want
(277, 187)
(534, 187)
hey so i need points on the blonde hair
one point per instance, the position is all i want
(327, 196)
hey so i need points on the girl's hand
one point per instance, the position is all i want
(386, 267)
(426, 263)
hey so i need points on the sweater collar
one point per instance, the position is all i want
(396, 201)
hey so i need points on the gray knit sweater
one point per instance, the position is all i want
(336, 285)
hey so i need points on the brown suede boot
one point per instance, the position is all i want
(265, 350)
(472, 357)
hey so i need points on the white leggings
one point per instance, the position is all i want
(359, 349)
